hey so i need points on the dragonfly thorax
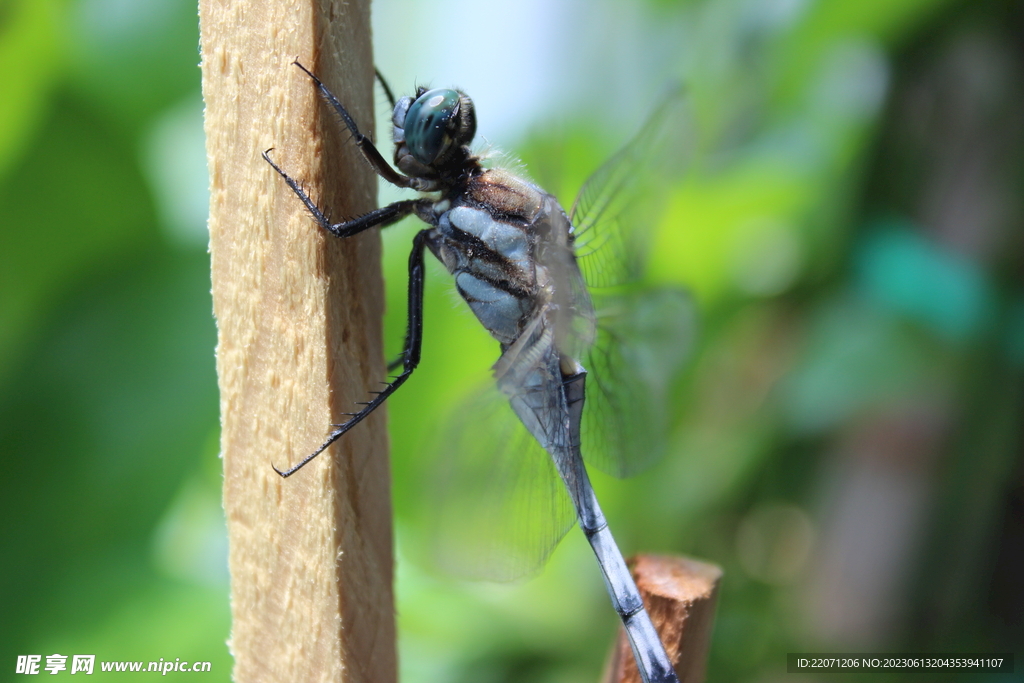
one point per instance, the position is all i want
(488, 237)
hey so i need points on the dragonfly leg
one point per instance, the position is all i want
(410, 354)
(365, 144)
(384, 216)
(384, 84)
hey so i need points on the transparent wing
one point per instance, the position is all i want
(643, 338)
(498, 505)
(571, 312)
(618, 203)
(643, 334)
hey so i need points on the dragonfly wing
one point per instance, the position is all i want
(499, 506)
(642, 333)
(643, 338)
(532, 373)
(570, 311)
(618, 203)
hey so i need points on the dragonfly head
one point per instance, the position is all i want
(430, 129)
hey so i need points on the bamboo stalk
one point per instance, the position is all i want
(299, 343)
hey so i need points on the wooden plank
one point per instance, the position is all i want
(680, 595)
(299, 343)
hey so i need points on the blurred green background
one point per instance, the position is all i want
(847, 440)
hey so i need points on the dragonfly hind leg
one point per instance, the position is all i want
(410, 355)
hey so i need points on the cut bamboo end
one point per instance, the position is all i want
(680, 595)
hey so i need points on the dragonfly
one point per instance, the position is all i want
(518, 260)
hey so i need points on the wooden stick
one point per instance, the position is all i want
(299, 343)
(680, 595)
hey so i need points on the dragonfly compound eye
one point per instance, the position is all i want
(435, 120)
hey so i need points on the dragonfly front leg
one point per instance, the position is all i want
(410, 354)
(366, 146)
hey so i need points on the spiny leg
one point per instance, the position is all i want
(411, 354)
(384, 216)
(366, 145)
